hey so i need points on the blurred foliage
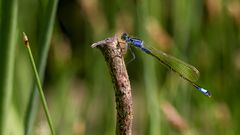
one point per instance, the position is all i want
(204, 33)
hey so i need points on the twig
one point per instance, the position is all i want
(113, 54)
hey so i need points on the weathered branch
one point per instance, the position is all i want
(113, 54)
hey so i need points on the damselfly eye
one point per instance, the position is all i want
(124, 36)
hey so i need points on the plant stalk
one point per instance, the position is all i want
(113, 54)
(40, 90)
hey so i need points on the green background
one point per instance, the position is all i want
(77, 84)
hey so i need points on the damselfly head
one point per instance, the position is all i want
(124, 36)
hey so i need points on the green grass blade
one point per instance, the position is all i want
(44, 42)
(8, 38)
(39, 85)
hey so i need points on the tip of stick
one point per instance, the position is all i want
(25, 39)
(105, 41)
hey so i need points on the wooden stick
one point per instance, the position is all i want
(113, 54)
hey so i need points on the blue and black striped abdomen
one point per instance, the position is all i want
(136, 42)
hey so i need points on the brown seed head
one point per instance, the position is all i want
(25, 39)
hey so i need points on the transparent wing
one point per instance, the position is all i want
(185, 70)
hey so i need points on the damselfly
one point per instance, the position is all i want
(186, 71)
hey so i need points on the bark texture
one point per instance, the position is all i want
(114, 57)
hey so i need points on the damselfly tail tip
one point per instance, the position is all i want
(208, 94)
(205, 92)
